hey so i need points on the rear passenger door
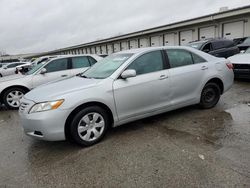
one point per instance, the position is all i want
(56, 70)
(187, 72)
(79, 64)
(219, 49)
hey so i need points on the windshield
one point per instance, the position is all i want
(106, 67)
(34, 69)
(196, 45)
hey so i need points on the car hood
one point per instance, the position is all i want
(54, 90)
(11, 77)
(240, 59)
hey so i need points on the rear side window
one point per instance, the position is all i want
(178, 58)
(57, 65)
(80, 62)
(92, 60)
(147, 63)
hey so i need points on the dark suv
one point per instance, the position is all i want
(217, 47)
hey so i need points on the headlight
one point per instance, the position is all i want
(45, 106)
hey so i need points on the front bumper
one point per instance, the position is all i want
(242, 73)
(48, 125)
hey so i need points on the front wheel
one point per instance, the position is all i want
(11, 98)
(210, 96)
(89, 126)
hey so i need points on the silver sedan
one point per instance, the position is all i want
(121, 88)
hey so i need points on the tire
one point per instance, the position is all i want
(85, 130)
(14, 93)
(210, 96)
(1, 75)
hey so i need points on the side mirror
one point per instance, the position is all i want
(43, 71)
(242, 51)
(128, 73)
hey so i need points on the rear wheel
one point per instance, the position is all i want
(11, 98)
(89, 126)
(1, 75)
(210, 96)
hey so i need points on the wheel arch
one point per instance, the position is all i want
(10, 87)
(79, 108)
(217, 81)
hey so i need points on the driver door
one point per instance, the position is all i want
(146, 92)
(56, 70)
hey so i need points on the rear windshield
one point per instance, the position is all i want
(196, 45)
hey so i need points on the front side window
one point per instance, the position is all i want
(57, 65)
(107, 66)
(147, 63)
(178, 58)
(207, 48)
(80, 62)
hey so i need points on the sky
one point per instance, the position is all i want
(28, 26)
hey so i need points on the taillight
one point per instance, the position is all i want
(230, 65)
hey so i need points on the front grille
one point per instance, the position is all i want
(241, 66)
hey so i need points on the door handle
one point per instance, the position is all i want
(163, 77)
(65, 75)
(204, 68)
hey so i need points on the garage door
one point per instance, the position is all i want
(117, 47)
(207, 32)
(93, 50)
(144, 42)
(104, 50)
(169, 39)
(157, 41)
(110, 48)
(124, 45)
(98, 50)
(133, 44)
(186, 37)
(88, 51)
(233, 30)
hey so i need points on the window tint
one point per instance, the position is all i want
(178, 58)
(80, 62)
(57, 65)
(197, 59)
(92, 60)
(150, 62)
(12, 65)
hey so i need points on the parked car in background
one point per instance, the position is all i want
(245, 44)
(121, 88)
(238, 41)
(216, 47)
(2, 64)
(28, 66)
(241, 64)
(13, 88)
(9, 69)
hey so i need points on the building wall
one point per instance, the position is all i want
(173, 36)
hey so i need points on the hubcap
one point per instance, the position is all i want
(91, 127)
(13, 98)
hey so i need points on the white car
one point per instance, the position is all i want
(29, 65)
(9, 69)
(12, 88)
(241, 64)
